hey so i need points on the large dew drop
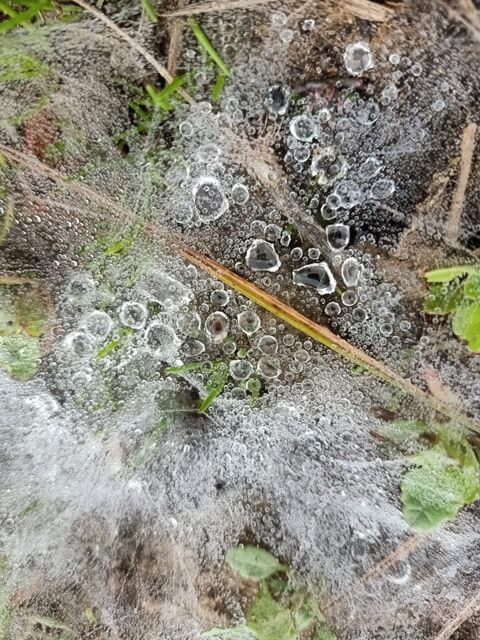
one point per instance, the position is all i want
(317, 276)
(209, 199)
(261, 256)
(303, 128)
(338, 236)
(216, 326)
(357, 58)
(351, 270)
(161, 341)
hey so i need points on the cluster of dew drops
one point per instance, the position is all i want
(233, 331)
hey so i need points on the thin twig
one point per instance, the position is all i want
(467, 612)
(176, 32)
(208, 7)
(367, 10)
(323, 335)
(160, 69)
(452, 230)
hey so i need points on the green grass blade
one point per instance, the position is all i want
(218, 87)
(150, 10)
(207, 46)
(24, 17)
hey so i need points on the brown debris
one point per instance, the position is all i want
(368, 10)
(452, 230)
(467, 612)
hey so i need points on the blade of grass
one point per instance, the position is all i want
(215, 386)
(191, 366)
(207, 46)
(150, 10)
(160, 69)
(324, 336)
(23, 17)
(218, 87)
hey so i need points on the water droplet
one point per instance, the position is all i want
(209, 199)
(240, 369)
(183, 212)
(351, 270)
(338, 236)
(382, 189)
(133, 314)
(349, 298)
(240, 193)
(80, 288)
(98, 325)
(249, 321)
(186, 129)
(303, 127)
(189, 323)
(261, 256)
(268, 345)
(328, 165)
(296, 253)
(161, 341)
(208, 153)
(268, 367)
(277, 100)
(368, 112)
(333, 309)
(219, 297)
(314, 253)
(192, 348)
(79, 344)
(357, 58)
(370, 168)
(216, 326)
(317, 276)
(272, 232)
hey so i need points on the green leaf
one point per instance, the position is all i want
(252, 562)
(218, 87)
(472, 286)
(404, 430)
(439, 486)
(20, 355)
(214, 386)
(269, 619)
(32, 312)
(447, 274)
(466, 325)
(150, 10)
(324, 633)
(234, 633)
(208, 47)
(190, 366)
(443, 298)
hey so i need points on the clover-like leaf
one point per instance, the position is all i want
(438, 486)
(466, 324)
(268, 619)
(252, 562)
(20, 355)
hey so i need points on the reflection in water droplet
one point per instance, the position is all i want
(317, 276)
(209, 199)
(261, 256)
(249, 321)
(338, 236)
(216, 326)
(133, 315)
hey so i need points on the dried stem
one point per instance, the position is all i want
(467, 612)
(324, 336)
(452, 230)
(367, 10)
(208, 7)
(176, 32)
(160, 69)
